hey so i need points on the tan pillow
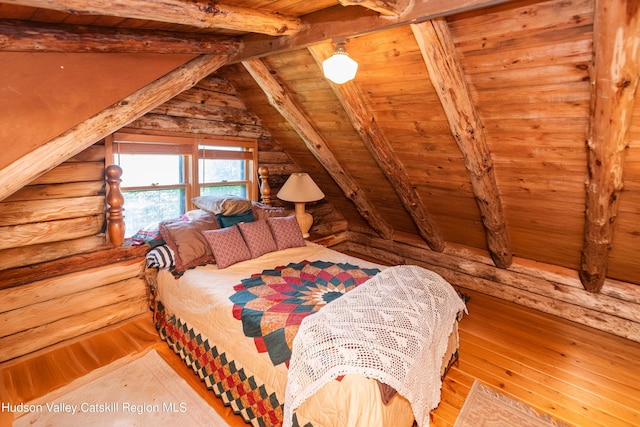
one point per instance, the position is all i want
(227, 205)
(188, 244)
(262, 211)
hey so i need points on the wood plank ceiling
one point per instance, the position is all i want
(466, 123)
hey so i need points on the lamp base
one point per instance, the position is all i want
(305, 220)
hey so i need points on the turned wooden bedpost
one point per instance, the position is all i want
(265, 189)
(115, 200)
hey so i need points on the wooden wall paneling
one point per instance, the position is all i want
(316, 143)
(44, 312)
(15, 213)
(54, 309)
(70, 327)
(13, 236)
(72, 172)
(39, 253)
(57, 191)
(377, 144)
(59, 286)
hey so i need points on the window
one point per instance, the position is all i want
(160, 176)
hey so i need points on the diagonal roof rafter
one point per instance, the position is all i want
(447, 75)
(375, 141)
(281, 101)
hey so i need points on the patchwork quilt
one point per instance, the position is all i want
(272, 304)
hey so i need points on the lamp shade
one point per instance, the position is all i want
(300, 188)
(339, 67)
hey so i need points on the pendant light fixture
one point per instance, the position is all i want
(339, 67)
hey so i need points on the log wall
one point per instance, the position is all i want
(58, 276)
(59, 214)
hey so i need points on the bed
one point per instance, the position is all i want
(234, 319)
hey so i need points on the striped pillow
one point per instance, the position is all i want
(161, 257)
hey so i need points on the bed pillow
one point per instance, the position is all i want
(257, 235)
(187, 242)
(161, 257)
(229, 220)
(225, 205)
(150, 234)
(227, 245)
(262, 211)
(286, 232)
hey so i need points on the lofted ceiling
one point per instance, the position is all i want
(508, 126)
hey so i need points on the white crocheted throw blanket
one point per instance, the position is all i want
(393, 328)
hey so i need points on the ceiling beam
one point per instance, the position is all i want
(49, 155)
(374, 139)
(279, 98)
(28, 36)
(183, 12)
(384, 7)
(448, 78)
(615, 71)
(340, 22)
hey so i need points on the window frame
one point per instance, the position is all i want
(128, 141)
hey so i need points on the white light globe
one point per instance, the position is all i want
(339, 67)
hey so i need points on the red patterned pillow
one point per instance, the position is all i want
(286, 232)
(227, 245)
(257, 235)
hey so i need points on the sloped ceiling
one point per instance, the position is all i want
(469, 122)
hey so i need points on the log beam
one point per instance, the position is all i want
(23, 36)
(377, 144)
(49, 155)
(281, 101)
(615, 70)
(448, 77)
(383, 7)
(192, 13)
(339, 23)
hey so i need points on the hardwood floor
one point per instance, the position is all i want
(579, 375)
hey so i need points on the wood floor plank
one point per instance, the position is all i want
(568, 347)
(545, 392)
